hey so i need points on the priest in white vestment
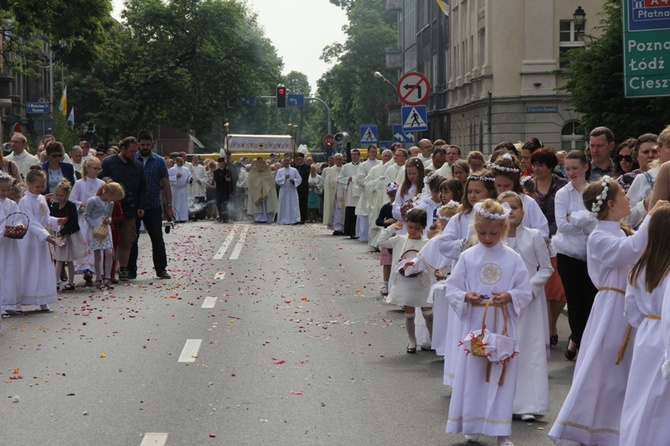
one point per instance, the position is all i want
(332, 205)
(180, 178)
(288, 179)
(262, 193)
(199, 175)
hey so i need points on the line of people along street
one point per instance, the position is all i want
(483, 255)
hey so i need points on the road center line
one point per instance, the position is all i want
(240, 243)
(222, 250)
(209, 302)
(190, 351)
(154, 439)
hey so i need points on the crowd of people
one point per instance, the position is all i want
(489, 249)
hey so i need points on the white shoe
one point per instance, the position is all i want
(472, 438)
(505, 441)
(527, 417)
(45, 308)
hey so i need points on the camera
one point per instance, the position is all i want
(168, 225)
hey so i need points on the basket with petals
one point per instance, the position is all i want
(19, 230)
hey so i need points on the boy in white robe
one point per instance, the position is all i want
(288, 179)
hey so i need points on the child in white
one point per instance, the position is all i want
(409, 291)
(532, 391)
(483, 391)
(39, 275)
(11, 279)
(647, 400)
(83, 189)
(99, 213)
(591, 413)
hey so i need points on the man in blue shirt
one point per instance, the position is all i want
(157, 178)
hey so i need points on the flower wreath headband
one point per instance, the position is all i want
(480, 178)
(600, 199)
(427, 180)
(506, 156)
(506, 210)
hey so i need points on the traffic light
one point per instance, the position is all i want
(281, 96)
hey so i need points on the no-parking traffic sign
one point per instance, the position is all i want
(413, 88)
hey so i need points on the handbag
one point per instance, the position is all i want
(100, 232)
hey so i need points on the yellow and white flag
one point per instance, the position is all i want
(62, 107)
(443, 6)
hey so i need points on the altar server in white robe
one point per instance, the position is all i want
(11, 280)
(362, 208)
(180, 178)
(490, 271)
(288, 179)
(39, 275)
(591, 413)
(375, 188)
(199, 175)
(647, 400)
(532, 391)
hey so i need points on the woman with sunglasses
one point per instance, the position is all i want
(644, 153)
(55, 168)
(623, 157)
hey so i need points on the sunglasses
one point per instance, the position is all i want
(56, 155)
(626, 158)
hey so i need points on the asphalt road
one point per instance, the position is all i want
(265, 335)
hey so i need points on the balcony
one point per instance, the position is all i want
(394, 59)
(393, 5)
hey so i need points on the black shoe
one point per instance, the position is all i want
(570, 355)
(354, 237)
(411, 350)
(553, 340)
(338, 233)
(163, 275)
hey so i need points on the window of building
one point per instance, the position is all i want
(568, 40)
(571, 137)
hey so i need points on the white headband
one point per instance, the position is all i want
(506, 210)
(600, 199)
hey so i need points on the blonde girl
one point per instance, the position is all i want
(39, 276)
(83, 189)
(70, 244)
(489, 272)
(603, 363)
(99, 213)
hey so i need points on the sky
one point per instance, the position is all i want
(298, 29)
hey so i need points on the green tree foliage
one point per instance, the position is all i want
(595, 80)
(186, 63)
(74, 28)
(355, 96)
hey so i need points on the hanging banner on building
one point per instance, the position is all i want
(646, 48)
(443, 6)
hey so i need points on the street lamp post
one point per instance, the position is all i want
(378, 75)
(579, 16)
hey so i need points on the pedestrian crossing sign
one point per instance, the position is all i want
(414, 118)
(369, 134)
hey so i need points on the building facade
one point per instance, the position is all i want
(494, 68)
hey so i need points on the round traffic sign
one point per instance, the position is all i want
(329, 139)
(413, 88)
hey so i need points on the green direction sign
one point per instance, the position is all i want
(646, 43)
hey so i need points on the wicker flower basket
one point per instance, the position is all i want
(19, 230)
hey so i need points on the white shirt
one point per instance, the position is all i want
(570, 238)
